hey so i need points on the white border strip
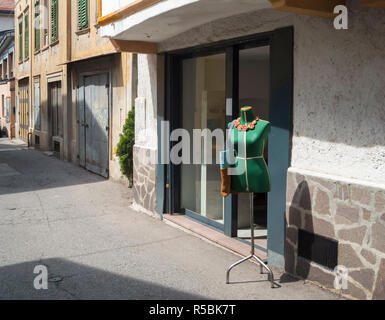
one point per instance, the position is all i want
(337, 178)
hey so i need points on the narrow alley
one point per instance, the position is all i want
(80, 226)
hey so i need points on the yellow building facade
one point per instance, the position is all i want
(66, 75)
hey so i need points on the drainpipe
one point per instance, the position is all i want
(67, 103)
(30, 84)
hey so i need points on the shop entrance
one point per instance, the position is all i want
(204, 106)
(207, 86)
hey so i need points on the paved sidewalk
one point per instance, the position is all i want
(7, 144)
(81, 227)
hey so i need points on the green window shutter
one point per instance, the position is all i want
(82, 14)
(37, 25)
(54, 21)
(20, 40)
(26, 36)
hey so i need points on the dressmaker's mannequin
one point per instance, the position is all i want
(256, 176)
(248, 139)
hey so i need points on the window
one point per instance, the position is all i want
(20, 39)
(82, 14)
(45, 23)
(56, 110)
(5, 68)
(8, 104)
(10, 59)
(37, 25)
(36, 103)
(2, 105)
(54, 21)
(1, 71)
(26, 35)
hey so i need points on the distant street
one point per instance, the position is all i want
(80, 226)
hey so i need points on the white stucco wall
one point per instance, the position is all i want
(339, 81)
(146, 102)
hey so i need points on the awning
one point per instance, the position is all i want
(168, 18)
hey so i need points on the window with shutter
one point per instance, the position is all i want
(37, 25)
(45, 25)
(54, 21)
(20, 40)
(82, 14)
(26, 36)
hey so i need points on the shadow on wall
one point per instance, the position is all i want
(70, 280)
(297, 219)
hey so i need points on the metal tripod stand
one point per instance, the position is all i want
(252, 253)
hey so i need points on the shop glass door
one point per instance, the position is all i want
(203, 107)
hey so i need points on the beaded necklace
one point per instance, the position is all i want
(246, 127)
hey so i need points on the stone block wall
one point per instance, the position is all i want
(344, 210)
(144, 178)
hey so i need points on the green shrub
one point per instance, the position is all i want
(126, 145)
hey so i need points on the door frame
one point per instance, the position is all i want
(281, 43)
(51, 135)
(24, 108)
(79, 87)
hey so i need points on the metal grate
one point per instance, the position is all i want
(318, 249)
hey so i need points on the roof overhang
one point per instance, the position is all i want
(168, 18)
(6, 39)
(318, 8)
(141, 24)
(374, 3)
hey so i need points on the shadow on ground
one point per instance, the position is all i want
(69, 280)
(24, 170)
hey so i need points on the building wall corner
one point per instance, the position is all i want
(144, 187)
(349, 211)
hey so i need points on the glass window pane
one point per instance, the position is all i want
(204, 107)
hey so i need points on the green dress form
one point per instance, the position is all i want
(255, 176)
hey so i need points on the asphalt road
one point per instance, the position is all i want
(81, 228)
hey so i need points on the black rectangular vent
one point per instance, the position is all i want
(37, 140)
(318, 249)
(56, 146)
